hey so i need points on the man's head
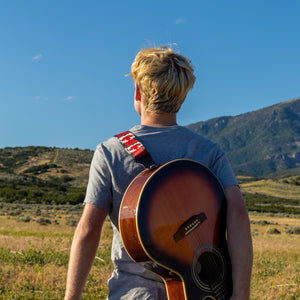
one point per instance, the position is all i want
(163, 77)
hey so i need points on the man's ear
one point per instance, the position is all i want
(137, 93)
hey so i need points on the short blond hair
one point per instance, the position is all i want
(164, 78)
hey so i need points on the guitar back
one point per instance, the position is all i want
(172, 220)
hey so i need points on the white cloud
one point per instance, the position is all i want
(39, 99)
(68, 98)
(37, 57)
(180, 21)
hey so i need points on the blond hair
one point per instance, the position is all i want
(164, 78)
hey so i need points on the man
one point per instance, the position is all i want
(162, 80)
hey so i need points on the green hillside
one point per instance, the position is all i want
(259, 142)
(43, 175)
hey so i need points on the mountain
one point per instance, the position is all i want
(260, 142)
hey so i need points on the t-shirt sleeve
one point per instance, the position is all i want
(99, 188)
(223, 170)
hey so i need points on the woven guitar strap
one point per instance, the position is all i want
(136, 149)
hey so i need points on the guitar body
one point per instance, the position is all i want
(173, 221)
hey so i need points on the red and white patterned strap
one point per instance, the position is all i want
(131, 144)
(136, 149)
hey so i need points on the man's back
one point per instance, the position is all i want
(113, 169)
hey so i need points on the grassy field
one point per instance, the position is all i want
(35, 242)
(280, 188)
(272, 195)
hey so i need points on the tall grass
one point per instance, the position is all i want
(276, 269)
(34, 257)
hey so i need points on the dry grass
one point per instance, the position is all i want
(273, 188)
(33, 261)
(276, 268)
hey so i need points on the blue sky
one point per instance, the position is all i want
(63, 63)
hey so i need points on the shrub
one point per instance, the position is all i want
(38, 212)
(273, 231)
(43, 221)
(24, 219)
(293, 230)
(55, 222)
(15, 212)
(71, 221)
(263, 222)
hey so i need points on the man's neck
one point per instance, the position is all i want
(158, 120)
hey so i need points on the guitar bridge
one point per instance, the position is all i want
(189, 226)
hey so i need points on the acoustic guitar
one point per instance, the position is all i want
(172, 221)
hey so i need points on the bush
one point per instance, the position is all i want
(15, 212)
(43, 221)
(55, 222)
(263, 222)
(293, 230)
(24, 219)
(71, 222)
(273, 231)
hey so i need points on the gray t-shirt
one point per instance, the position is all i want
(112, 169)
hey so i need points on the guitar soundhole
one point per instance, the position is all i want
(208, 267)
